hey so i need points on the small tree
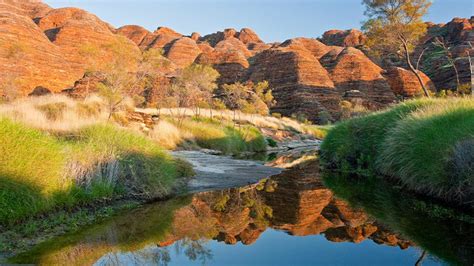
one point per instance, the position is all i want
(265, 95)
(118, 77)
(471, 67)
(445, 51)
(234, 96)
(194, 87)
(396, 25)
(248, 98)
(164, 97)
(122, 81)
(217, 104)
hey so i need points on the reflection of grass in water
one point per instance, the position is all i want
(129, 232)
(443, 232)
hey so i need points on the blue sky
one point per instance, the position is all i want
(273, 20)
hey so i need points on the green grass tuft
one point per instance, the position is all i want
(413, 142)
(317, 131)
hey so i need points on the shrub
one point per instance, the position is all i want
(271, 142)
(324, 118)
(252, 119)
(167, 135)
(88, 109)
(319, 132)
(358, 141)
(31, 169)
(276, 115)
(120, 118)
(53, 111)
(143, 168)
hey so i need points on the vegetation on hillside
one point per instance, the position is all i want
(426, 145)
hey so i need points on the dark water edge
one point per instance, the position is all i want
(290, 218)
(442, 231)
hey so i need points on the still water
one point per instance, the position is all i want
(290, 218)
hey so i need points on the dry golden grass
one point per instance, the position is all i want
(55, 113)
(168, 135)
(207, 133)
(260, 121)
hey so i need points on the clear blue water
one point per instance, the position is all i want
(276, 248)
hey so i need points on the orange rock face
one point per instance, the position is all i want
(183, 52)
(195, 36)
(405, 84)
(229, 57)
(315, 47)
(145, 39)
(309, 77)
(29, 8)
(248, 36)
(65, 26)
(48, 53)
(345, 38)
(135, 33)
(352, 70)
(301, 85)
(27, 57)
(85, 86)
(161, 37)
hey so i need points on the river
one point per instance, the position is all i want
(245, 213)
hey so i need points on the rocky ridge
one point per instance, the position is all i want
(346, 38)
(309, 77)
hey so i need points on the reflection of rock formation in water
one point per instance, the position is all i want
(298, 201)
(302, 205)
(229, 216)
(299, 205)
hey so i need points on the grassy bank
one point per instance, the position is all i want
(41, 171)
(210, 134)
(426, 145)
